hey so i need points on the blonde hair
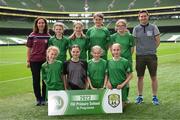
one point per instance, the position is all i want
(96, 47)
(119, 45)
(121, 21)
(52, 48)
(58, 24)
(78, 22)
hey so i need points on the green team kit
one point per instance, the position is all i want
(83, 44)
(127, 42)
(97, 72)
(99, 36)
(51, 74)
(62, 44)
(117, 71)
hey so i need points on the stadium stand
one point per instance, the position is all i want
(3, 3)
(94, 5)
(17, 16)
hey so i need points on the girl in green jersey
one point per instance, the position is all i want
(98, 34)
(59, 40)
(125, 39)
(97, 77)
(79, 38)
(119, 71)
(52, 71)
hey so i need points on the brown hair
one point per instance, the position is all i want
(35, 27)
(144, 11)
(98, 15)
(73, 36)
(75, 46)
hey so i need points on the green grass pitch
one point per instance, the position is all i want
(17, 99)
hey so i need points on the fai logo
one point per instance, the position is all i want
(113, 100)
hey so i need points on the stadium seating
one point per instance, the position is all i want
(78, 6)
(94, 5)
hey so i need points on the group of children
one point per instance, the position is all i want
(88, 66)
(96, 73)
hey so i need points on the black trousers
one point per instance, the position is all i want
(36, 73)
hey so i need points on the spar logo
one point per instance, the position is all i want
(113, 100)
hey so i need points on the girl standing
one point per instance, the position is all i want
(125, 39)
(97, 77)
(119, 71)
(59, 40)
(98, 35)
(79, 39)
(75, 70)
(52, 70)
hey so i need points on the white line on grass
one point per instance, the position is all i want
(17, 79)
(3, 63)
(168, 55)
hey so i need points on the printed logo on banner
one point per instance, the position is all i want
(114, 100)
(58, 101)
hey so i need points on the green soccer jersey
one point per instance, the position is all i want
(83, 44)
(51, 74)
(126, 41)
(97, 72)
(117, 71)
(98, 36)
(62, 44)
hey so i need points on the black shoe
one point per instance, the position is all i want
(38, 103)
(43, 103)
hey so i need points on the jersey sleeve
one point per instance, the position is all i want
(134, 34)
(85, 65)
(88, 34)
(88, 68)
(65, 65)
(43, 73)
(131, 42)
(105, 67)
(50, 43)
(128, 67)
(156, 30)
(112, 39)
(30, 41)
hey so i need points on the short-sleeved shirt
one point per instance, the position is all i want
(52, 75)
(117, 71)
(126, 41)
(38, 43)
(97, 72)
(99, 36)
(76, 72)
(145, 39)
(62, 44)
(83, 44)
